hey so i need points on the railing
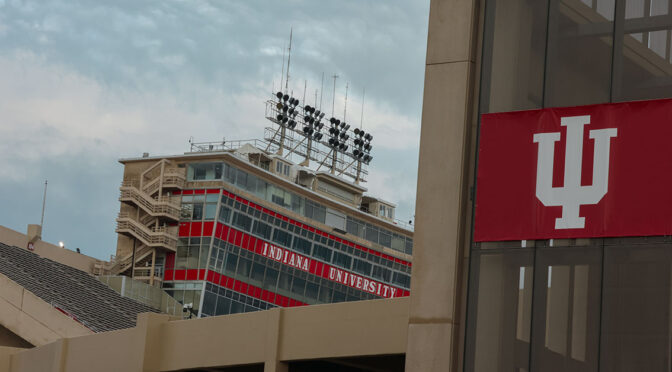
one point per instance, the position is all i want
(142, 292)
(153, 237)
(163, 205)
(125, 263)
(226, 145)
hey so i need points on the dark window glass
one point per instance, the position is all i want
(284, 281)
(298, 286)
(637, 308)
(311, 290)
(578, 60)
(237, 307)
(500, 308)
(382, 273)
(325, 294)
(642, 60)
(321, 252)
(361, 267)
(244, 266)
(262, 230)
(209, 301)
(566, 309)
(342, 260)
(242, 221)
(301, 245)
(231, 262)
(271, 279)
(372, 233)
(257, 274)
(338, 296)
(223, 306)
(401, 279)
(198, 212)
(514, 46)
(282, 237)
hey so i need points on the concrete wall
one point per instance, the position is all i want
(445, 174)
(272, 337)
(48, 250)
(32, 319)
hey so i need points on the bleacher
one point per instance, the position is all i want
(74, 292)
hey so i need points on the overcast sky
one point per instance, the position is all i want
(86, 82)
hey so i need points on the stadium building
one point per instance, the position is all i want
(236, 226)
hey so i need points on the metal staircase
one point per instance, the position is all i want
(149, 212)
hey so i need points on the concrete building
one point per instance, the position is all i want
(559, 301)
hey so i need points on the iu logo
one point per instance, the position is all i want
(572, 195)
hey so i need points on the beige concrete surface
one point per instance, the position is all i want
(442, 216)
(32, 319)
(273, 338)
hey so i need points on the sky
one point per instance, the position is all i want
(84, 83)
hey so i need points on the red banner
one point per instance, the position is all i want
(575, 172)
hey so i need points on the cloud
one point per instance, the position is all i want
(86, 83)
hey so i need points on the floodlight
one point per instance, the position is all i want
(332, 120)
(367, 147)
(285, 108)
(292, 123)
(306, 108)
(321, 115)
(279, 117)
(285, 97)
(356, 131)
(355, 152)
(317, 113)
(368, 137)
(279, 95)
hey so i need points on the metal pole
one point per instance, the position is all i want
(133, 261)
(333, 97)
(44, 202)
(289, 59)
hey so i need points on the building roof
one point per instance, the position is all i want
(72, 291)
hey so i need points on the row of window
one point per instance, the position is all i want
(290, 236)
(298, 204)
(218, 300)
(273, 276)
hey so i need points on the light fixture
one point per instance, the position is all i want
(61, 244)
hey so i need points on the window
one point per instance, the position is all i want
(210, 210)
(342, 260)
(242, 221)
(198, 212)
(262, 230)
(382, 273)
(283, 238)
(361, 267)
(321, 252)
(224, 214)
(401, 280)
(302, 245)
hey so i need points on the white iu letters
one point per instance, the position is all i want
(572, 194)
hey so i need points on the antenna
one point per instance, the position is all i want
(282, 71)
(305, 87)
(333, 101)
(289, 59)
(321, 90)
(44, 202)
(361, 120)
(345, 107)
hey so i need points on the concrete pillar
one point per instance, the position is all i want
(148, 327)
(443, 210)
(272, 364)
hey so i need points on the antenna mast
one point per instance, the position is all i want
(333, 97)
(44, 202)
(345, 107)
(289, 59)
(321, 90)
(361, 120)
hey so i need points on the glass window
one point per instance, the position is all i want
(382, 273)
(302, 245)
(244, 266)
(284, 281)
(342, 260)
(321, 252)
(514, 40)
(198, 212)
(371, 233)
(223, 306)
(298, 286)
(401, 280)
(257, 274)
(231, 262)
(637, 308)
(270, 279)
(186, 211)
(642, 60)
(242, 221)
(224, 214)
(361, 267)
(262, 230)
(566, 309)
(210, 210)
(282, 237)
(500, 304)
(578, 60)
(211, 198)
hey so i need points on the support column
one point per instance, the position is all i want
(274, 326)
(443, 208)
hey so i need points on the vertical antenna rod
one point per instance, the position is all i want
(44, 203)
(345, 107)
(321, 90)
(289, 59)
(282, 70)
(361, 120)
(333, 100)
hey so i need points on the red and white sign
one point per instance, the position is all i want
(575, 172)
